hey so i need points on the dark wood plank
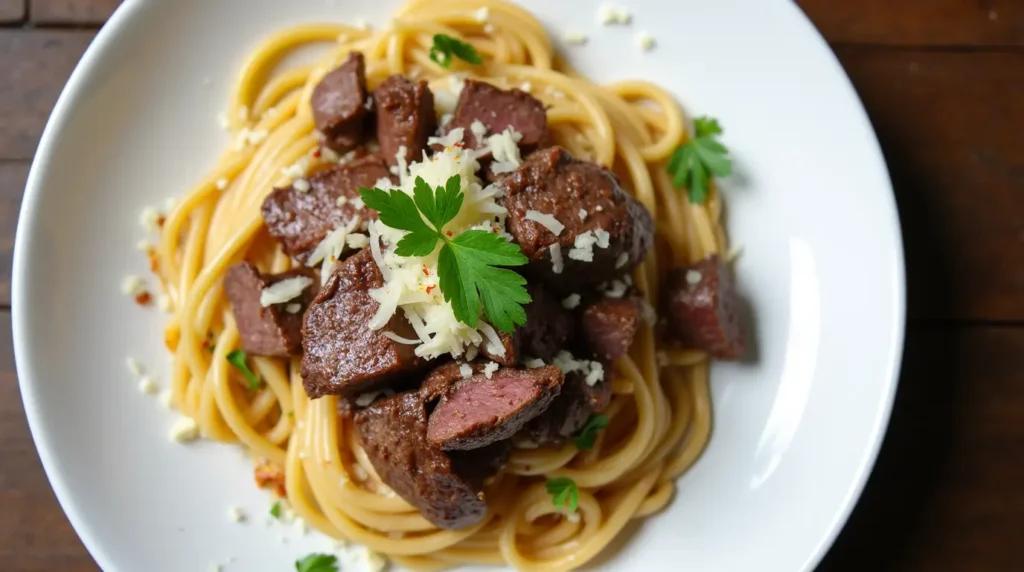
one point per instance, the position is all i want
(12, 185)
(12, 11)
(34, 533)
(946, 493)
(79, 12)
(34, 66)
(919, 22)
(949, 124)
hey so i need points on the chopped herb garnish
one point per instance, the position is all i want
(317, 563)
(588, 434)
(275, 510)
(469, 266)
(446, 46)
(564, 493)
(237, 359)
(694, 162)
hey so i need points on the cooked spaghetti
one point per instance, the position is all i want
(659, 418)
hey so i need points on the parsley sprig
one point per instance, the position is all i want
(694, 162)
(237, 359)
(586, 437)
(317, 563)
(470, 265)
(445, 47)
(564, 493)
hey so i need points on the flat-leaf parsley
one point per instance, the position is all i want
(237, 359)
(470, 265)
(585, 439)
(445, 47)
(317, 563)
(694, 162)
(564, 493)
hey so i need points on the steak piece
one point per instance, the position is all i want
(447, 488)
(552, 182)
(498, 109)
(341, 353)
(301, 220)
(272, 330)
(703, 308)
(405, 118)
(478, 411)
(548, 328)
(339, 105)
(569, 411)
(609, 326)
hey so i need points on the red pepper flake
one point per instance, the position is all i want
(430, 288)
(160, 220)
(449, 233)
(143, 299)
(316, 153)
(425, 271)
(270, 476)
(154, 260)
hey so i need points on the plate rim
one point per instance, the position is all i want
(43, 157)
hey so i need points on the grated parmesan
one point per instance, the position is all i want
(132, 286)
(571, 301)
(489, 369)
(135, 367)
(236, 514)
(301, 185)
(185, 429)
(355, 241)
(533, 363)
(602, 236)
(466, 371)
(575, 38)
(609, 15)
(284, 291)
(149, 218)
(450, 139)
(395, 337)
(341, 201)
(615, 289)
(592, 370)
(557, 264)
(622, 260)
(547, 221)
(504, 147)
(479, 129)
(583, 214)
(293, 308)
(645, 41)
(583, 247)
(482, 14)
(148, 385)
(693, 277)
(367, 398)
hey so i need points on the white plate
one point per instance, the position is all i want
(795, 435)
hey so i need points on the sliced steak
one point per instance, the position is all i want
(481, 410)
(339, 105)
(568, 412)
(447, 488)
(341, 353)
(702, 309)
(405, 118)
(301, 220)
(609, 326)
(272, 330)
(498, 109)
(552, 182)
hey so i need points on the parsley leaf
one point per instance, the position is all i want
(694, 162)
(469, 265)
(585, 439)
(317, 563)
(275, 510)
(446, 46)
(237, 359)
(564, 493)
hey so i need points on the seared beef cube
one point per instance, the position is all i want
(703, 309)
(548, 327)
(609, 326)
(339, 105)
(341, 353)
(614, 236)
(274, 330)
(498, 109)
(405, 118)
(447, 488)
(301, 219)
(481, 410)
(568, 413)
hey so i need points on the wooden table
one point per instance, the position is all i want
(943, 82)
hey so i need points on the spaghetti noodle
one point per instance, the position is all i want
(659, 418)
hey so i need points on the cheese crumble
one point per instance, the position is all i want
(184, 430)
(571, 301)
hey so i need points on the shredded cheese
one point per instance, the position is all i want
(693, 277)
(367, 398)
(645, 41)
(533, 363)
(135, 367)
(583, 214)
(293, 308)
(466, 371)
(557, 263)
(132, 286)
(184, 430)
(284, 291)
(622, 260)
(575, 38)
(489, 369)
(301, 185)
(547, 221)
(571, 301)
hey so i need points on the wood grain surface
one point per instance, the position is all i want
(943, 83)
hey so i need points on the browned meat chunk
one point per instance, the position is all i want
(548, 327)
(703, 309)
(447, 488)
(405, 118)
(272, 330)
(609, 325)
(341, 353)
(569, 411)
(615, 233)
(339, 105)
(498, 109)
(301, 219)
(478, 411)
